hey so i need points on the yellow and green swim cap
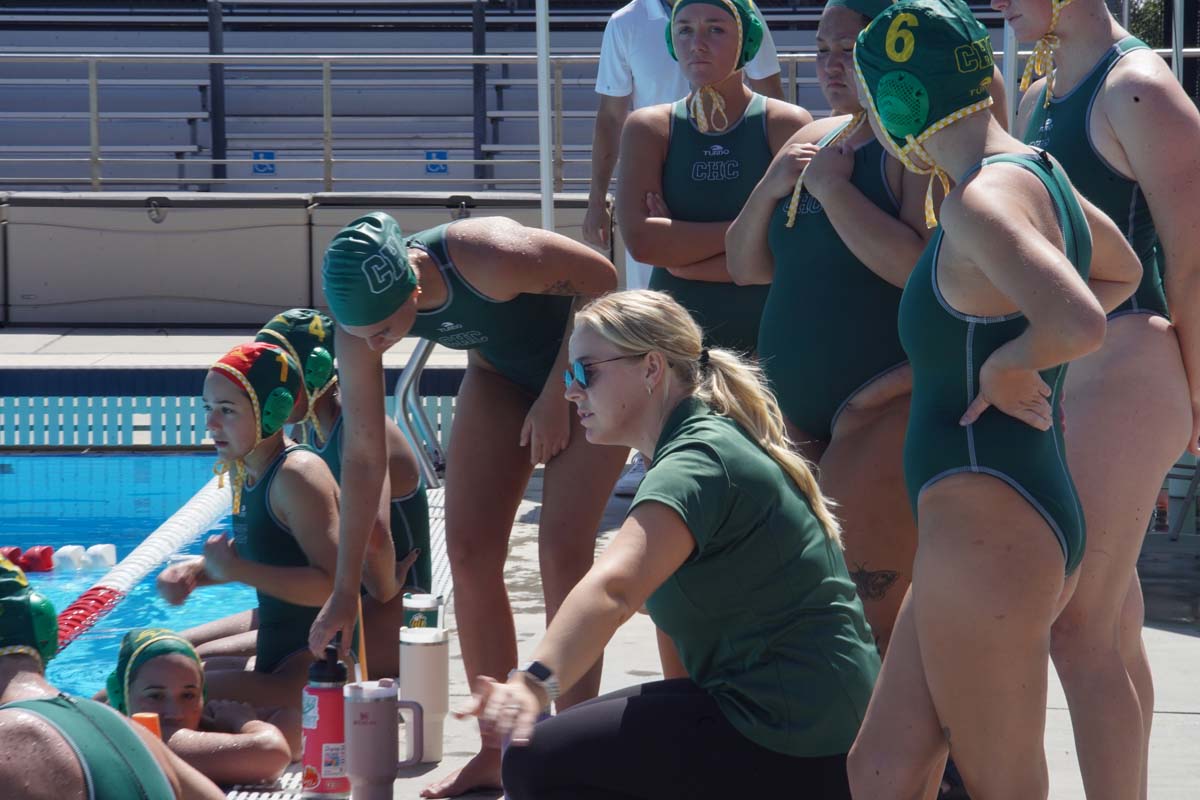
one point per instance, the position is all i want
(137, 647)
(28, 623)
(366, 273)
(922, 65)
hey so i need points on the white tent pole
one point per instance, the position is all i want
(1009, 71)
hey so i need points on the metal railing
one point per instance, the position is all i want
(789, 62)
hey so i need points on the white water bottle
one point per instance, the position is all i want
(425, 679)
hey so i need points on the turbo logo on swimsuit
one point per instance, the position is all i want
(725, 170)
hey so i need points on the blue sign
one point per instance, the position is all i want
(264, 162)
(436, 162)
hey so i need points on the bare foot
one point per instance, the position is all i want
(481, 772)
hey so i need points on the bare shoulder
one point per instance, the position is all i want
(29, 739)
(301, 475)
(781, 112)
(1142, 85)
(996, 204)
(817, 130)
(649, 121)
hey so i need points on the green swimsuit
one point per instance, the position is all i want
(707, 177)
(409, 515)
(519, 337)
(115, 762)
(1063, 130)
(829, 325)
(947, 349)
(260, 536)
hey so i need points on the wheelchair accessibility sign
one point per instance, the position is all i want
(264, 162)
(437, 162)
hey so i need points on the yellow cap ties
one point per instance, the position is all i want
(1042, 60)
(844, 134)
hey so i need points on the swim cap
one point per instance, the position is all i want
(307, 336)
(139, 646)
(366, 272)
(922, 65)
(1042, 60)
(272, 379)
(750, 27)
(868, 8)
(28, 624)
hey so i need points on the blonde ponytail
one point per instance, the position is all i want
(640, 321)
(737, 389)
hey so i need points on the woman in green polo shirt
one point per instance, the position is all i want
(736, 556)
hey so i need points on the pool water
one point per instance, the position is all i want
(91, 499)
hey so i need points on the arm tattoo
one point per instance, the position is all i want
(873, 585)
(564, 287)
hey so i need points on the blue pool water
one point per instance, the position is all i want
(91, 499)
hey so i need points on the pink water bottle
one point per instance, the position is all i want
(324, 727)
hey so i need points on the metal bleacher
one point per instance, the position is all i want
(388, 120)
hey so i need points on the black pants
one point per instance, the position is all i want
(659, 741)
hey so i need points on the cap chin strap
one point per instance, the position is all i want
(1042, 60)
(237, 469)
(22, 650)
(696, 109)
(914, 144)
(845, 133)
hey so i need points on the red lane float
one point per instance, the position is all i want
(195, 517)
(39, 558)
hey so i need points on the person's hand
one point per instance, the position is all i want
(597, 222)
(177, 582)
(228, 716)
(1017, 391)
(504, 709)
(547, 427)
(220, 557)
(336, 616)
(829, 167)
(656, 206)
(780, 179)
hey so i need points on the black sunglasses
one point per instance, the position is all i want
(577, 372)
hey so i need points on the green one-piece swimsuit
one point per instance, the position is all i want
(829, 325)
(1062, 129)
(947, 348)
(707, 177)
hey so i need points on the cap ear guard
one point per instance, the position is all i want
(318, 369)
(276, 408)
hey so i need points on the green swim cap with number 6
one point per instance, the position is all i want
(923, 65)
(366, 273)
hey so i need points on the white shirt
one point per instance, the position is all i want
(634, 59)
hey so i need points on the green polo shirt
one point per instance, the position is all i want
(763, 612)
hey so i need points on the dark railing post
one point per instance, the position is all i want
(216, 79)
(479, 84)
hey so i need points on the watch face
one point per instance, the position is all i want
(538, 670)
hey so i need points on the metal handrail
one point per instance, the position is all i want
(789, 62)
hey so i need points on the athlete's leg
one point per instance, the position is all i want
(1133, 649)
(278, 689)
(987, 583)
(863, 471)
(575, 490)
(1127, 421)
(486, 475)
(900, 751)
(203, 637)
